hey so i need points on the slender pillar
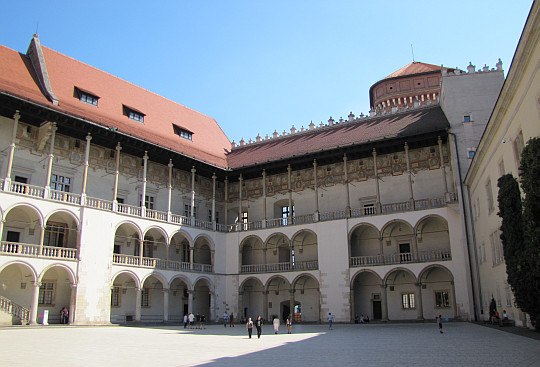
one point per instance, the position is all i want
(11, 153)
(212, 296)
(443, 168)
(169, 190)
(419, 305)
(226, 214)
(138, 295)
(192, 202)
(348, 199)
(191, 259)
(240, 181)
(213, 216)
(41, 239)
(377, 181)
(34, 307)
(381, 249)
(453, 295)
(409, 175)
(384, 305)
(190, 301)
(264, 198)
(72, 297)
(290, 216)
(265, 305)
(50, 162)
(316, 188)
(241, 305)
(86, 159)
(143, 191)
(141, 250)
(116, 176)
(291, 304)
(165, 305)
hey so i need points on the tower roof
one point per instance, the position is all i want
(414, 67)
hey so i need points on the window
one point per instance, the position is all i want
(496, 248)
(407, 300)
(86, 97)
(46, 293)
(244, 218)
(285, 214)
(489, 194)
(60, 183)
(149, 202)
(187, 211)
(471, 153)
(518, 148)
(133, 114)
(467, 118)
(442, 299)
(55, 235)
(210, 215)
(115, 297)
(145, 297)
(183, 133)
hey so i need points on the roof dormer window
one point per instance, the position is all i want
(86, 97)
(133, 114)
(183, 133)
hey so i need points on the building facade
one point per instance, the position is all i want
(126, 207)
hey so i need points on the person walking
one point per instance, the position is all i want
(225, 318)
(64, 315)
(249, 327)
(289, 325)
(231, 320)
(439, 321)
(185, 320)
(276, 324)
(330, 320)
(191, 318)
(258, 325)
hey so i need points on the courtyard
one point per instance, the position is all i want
(461, 344)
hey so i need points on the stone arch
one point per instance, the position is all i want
(55, 292)
(179, 288)
(180, 245)
(68, 270)
(24, 264)
(403, 300)
(307, 299)
(251, 252)
(278, 249)
(152, 297)
(127, 237)
(17, 279)
(367, 295)
(129, 273)
(398, 242)
(61, 229)
(278, 291)
(203, 252)
(203, 290)
(438, 291)
(304, 246)
(124, 287)
(433, 238)
(155, 243)
(158, 230)
(251, 300)
(364, 244)
(23, 223)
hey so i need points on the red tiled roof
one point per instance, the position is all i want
(414, 67)
(406, 124)
(17, 77)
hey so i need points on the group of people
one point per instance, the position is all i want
(228, 318)
(194, 321)
(259, 323)
(361, 320)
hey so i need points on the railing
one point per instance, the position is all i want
(199, 223)
(154, 214)
(155, 263)
(129, 209)
(14, 309)
(303, 219)
(67, 197)
(99, 203)
(407, 257)
(25, 189)
(280, 267)
(26, 249)
(180, 219)
(338, 214)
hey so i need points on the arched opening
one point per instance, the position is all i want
(433, 239)
(22, 230)
(202, 298)
(123, 298)
(152, 297)
(306, 300)
(126, 244)
(54, 294)
(154, 249)
(178, 300)
(403, 300)
(279, 293)
(251, 255)
(438, 293)
(365, 247)
(60, 232)
(179, 252)
(305, 250)
(16, 287)
(367, 296)
(278, 253)
(399, 245)
(252, 299)
(202, 255)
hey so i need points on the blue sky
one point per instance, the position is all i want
(260, 66)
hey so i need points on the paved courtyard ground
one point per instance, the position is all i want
(461, 344)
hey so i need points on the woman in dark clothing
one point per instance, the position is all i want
(258, 325)
(249, 327)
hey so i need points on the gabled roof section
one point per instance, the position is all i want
(18, 77)
(358, 132)
(414, 67)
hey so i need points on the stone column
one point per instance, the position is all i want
(316, 188)
(34, 306)
(191, 260)
(85, 170)
(443, 169)
(212, 296)
(50, 162)
(264, 198)
(116, 176)
(138, 304)
(241, 304)
(290, 216)
(226, 214)
(348, 199)
(384, 305)
(419, 304)
(141, 251)
(265, 305)
(291, 304)
(11, 153)
(190, 301)
(143, 191)
(453, 295)
(240, 181)
(378, 205)
(214, 177)
(192, 201)
(409, 175)
(72, 298)
(381, 248)
(41, 239)
(169, 190)
(165, 305)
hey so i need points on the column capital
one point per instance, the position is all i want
(88, 137)
(17, 115)
(145, 156)
(170, 165)
(118, 147)
(36, 284)
(193, 170)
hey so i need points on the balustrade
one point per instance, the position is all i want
(15, 309)
(407, 257)
(280, 267)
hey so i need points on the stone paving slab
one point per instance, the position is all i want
(461, 344)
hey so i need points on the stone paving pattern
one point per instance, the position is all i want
(461, 344)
